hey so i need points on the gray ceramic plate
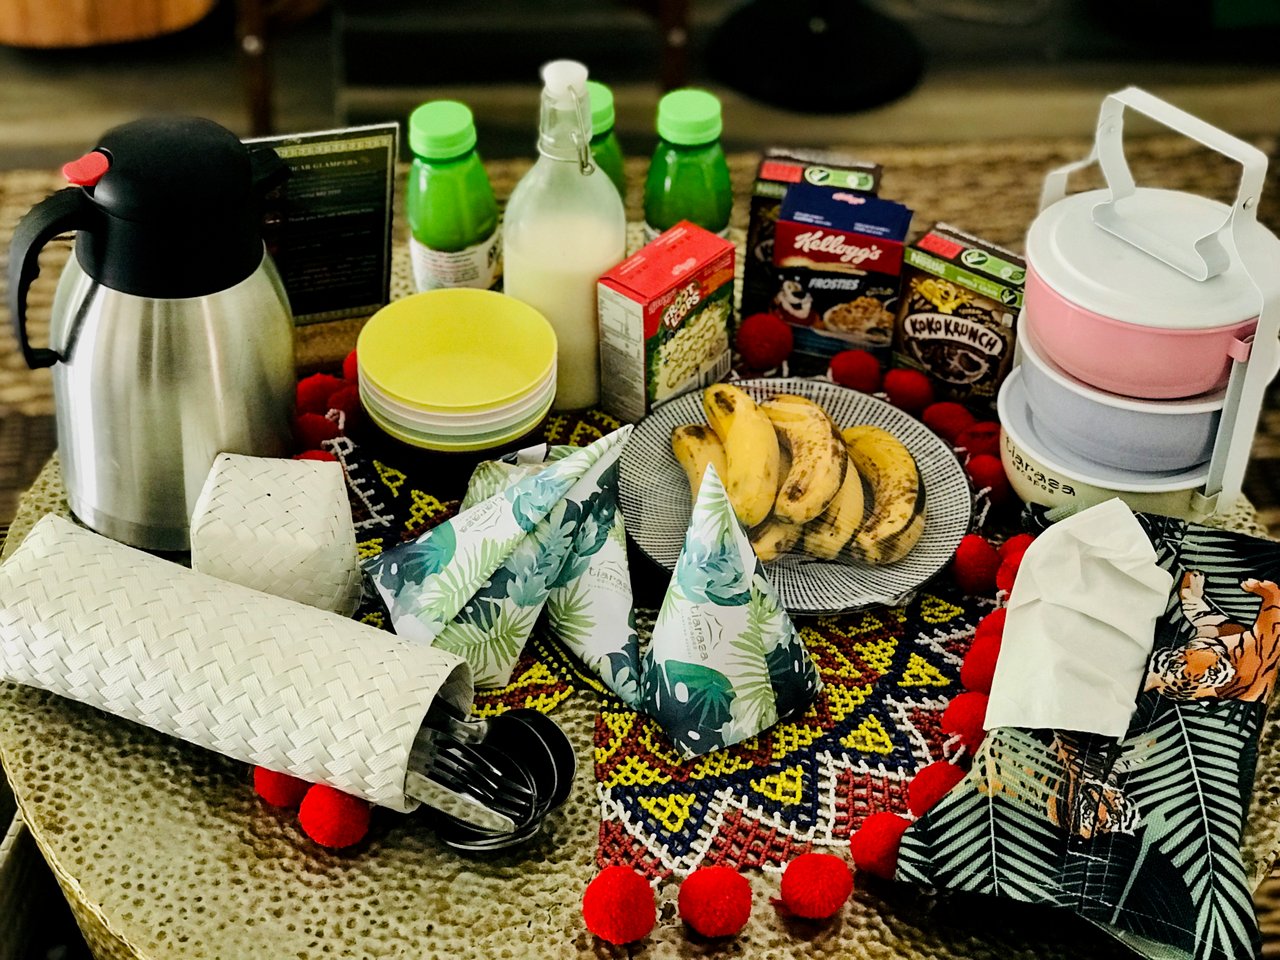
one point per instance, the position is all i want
(655, 500)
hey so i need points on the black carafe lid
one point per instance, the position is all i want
(175, 207)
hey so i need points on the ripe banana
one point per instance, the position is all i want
(751, 451)
(774, 537)
(696, 445)
(825, 537)
(896, 521)
(818, 457)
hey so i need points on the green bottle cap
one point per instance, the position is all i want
(601, 107)
(441, 129)
(689, 117)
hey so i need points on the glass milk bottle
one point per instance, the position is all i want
(564, 227)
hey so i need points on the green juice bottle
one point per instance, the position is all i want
(688, 176)
(605, 149)
(453, 216)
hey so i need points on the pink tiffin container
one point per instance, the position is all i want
(1124, 321)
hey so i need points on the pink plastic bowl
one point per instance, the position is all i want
(1132, 360)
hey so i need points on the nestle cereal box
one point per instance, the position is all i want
(666, 313)
(838, 255)
(957, 316)
(781, 168)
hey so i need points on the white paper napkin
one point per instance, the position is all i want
(1080, 627)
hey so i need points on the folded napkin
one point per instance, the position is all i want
(1080, 627)
(590, 606)
(725, 662)
(476, 584)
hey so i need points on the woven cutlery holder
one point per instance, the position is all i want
(253, 676)
(279, 526)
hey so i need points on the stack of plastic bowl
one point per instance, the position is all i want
(457, 370)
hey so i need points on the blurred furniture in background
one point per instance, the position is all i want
(255, 22)
(88, 23)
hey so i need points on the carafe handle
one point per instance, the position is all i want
(68, 209)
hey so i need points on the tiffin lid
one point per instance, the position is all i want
(1106, 275)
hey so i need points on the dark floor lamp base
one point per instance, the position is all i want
(815, 57)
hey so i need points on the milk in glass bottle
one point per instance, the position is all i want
(564, 227)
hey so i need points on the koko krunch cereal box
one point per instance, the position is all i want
(957, 316)
(838, 255)
(666, 315)
(780, 169)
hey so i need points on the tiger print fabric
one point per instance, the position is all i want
(1140, 835)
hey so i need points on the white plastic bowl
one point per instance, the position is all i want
(509, 415)
(1148, 436)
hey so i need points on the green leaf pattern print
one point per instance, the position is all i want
(476, 584)
(725, 662)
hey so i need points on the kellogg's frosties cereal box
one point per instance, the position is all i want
(782, 168)
(838, 255)
(958, 313)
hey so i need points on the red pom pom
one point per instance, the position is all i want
(975, 565)
(992, 624)
(986, 472)
(948, 420)
(312, 429)
(1008, 573)
(816, 885)
(314, 392)
(618, 906)
(857, 370)
(350, 368)
(1016, 545)
(931, 784)
(764, 340)
(980, 662)
(322, 455)
(279, 789)
(875, 845)
(347, 400)
(979, 438)
(908, 389)
(332, 818)
(715, 901)
(964, 716)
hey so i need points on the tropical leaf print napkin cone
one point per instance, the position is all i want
(475, 584)
(590, 606)
(1141, 834)
(725, 662)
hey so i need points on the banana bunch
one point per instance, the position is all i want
(798, 482)
(896, 520)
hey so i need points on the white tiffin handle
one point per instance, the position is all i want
(1205, 256)
(1202, 257)
(1251, 372)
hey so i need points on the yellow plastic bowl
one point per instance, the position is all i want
(455, 350)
